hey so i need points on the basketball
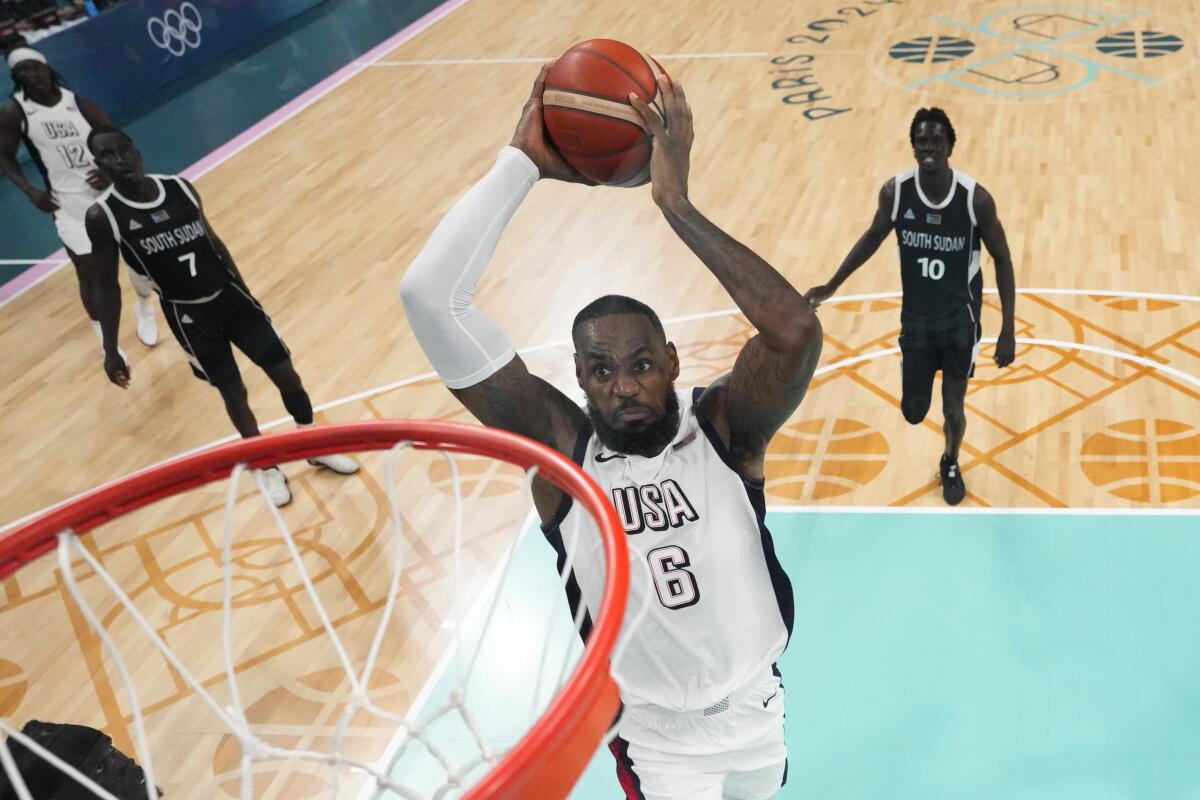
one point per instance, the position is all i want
(587, 111)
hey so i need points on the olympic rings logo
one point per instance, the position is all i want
(176, 31)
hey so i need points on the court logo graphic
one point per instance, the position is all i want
(1147, 460)
(1140, 44)
(176, 31)
(820, 459)
(1029, 51)
(932, 49)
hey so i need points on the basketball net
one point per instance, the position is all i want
(574, 699)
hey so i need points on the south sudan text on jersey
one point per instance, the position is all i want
(926, 241)
(168, 239)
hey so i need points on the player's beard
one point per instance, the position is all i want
(645, 440)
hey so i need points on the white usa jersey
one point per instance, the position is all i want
(720, 606)
(57, 140)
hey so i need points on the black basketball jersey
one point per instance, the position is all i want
(165, 240)
(939, 254)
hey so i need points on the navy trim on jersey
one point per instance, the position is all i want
(36, 157)
(780, 582)
(631, 784)
(564, 505)
(30, 147)
(24, 116)
(715, 439)
(553, 533)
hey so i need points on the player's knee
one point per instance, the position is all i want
(952, 410)
(285, 377)
(234, 391)
(915, 408)
(954, 414)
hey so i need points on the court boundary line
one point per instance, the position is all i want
(58, 259)
(709, 315)
(440, 62)
(1089, 511)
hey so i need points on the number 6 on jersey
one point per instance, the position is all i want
(675, 585)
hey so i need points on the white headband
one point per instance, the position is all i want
(24, 54)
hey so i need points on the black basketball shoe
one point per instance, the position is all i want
(953, 488)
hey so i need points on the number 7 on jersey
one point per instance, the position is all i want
(190, 258)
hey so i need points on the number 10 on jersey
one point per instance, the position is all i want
(933, 268)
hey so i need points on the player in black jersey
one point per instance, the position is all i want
(939, 215)
(157, 222)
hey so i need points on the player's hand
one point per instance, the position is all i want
(673, 135)
(117, 369)
(819, 294)
(1006, 348)
(43, 200)
(98, 180)
(531, 139)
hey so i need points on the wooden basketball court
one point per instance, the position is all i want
(1078, 117)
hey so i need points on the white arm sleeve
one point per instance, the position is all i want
(464, 346)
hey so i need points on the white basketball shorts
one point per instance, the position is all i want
(733, 750)
(69, 220)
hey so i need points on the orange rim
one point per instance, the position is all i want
(552, 755)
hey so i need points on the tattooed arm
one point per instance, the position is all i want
(773, 371)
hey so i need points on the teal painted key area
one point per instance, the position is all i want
(940, 656)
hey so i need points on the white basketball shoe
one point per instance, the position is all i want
(277, 486)
(335, 463)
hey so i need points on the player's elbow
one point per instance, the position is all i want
(803, 334)
(415, 292)
(809, 333)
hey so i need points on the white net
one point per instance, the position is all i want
(510, 648)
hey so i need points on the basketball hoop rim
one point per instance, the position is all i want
(81, 514)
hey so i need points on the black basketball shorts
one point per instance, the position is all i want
(924, 352)
(207, 330)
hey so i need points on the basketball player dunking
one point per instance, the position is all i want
(939, 215)
(157, 223)
(703, 716)
(54, 123)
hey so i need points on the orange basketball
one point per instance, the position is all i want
(587, 111)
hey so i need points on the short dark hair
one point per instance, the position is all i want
(611, 304)
(931, 115)
(100, 130)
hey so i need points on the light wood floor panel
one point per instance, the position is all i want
(1095, 188)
